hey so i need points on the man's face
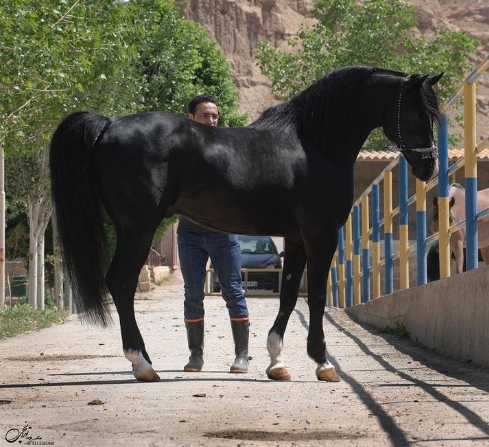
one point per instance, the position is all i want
(205, 113)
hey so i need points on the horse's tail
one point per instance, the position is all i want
(78, 210)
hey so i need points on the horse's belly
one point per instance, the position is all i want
(230, 218)
(483, 230)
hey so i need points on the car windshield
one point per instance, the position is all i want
(257, 245)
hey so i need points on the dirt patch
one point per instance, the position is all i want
(285, 436)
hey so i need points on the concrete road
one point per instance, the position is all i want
(70, 385)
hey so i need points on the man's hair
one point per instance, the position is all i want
(192, 105)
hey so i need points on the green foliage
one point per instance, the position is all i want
(375, 32)
(60, 56)
(399, 330)
(22, 318)
(179, 61)
(57, 57)
(17, 238)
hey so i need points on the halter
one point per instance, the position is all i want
(401, 147)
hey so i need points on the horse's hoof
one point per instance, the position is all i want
(280, 374)
(328, 375)
(148, 375)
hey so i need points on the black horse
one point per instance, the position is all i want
(288, 174)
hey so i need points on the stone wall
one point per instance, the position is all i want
(237, 26)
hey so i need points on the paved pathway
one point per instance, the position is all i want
(71, 386)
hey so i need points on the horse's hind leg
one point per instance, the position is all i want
(484, 254)
(122, 279)
(294, 262)
(457, 247)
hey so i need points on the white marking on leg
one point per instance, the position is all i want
(274, 346)
(139, 363)
(327, 372)
(323, 366)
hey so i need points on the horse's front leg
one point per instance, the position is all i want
(319, 256)
(457, 246)
(294, 262)
(122, 280)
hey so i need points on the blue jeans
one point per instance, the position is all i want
(194, 250)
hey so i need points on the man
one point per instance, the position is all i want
(195, 246)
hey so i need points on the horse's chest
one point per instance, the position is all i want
(332, 190)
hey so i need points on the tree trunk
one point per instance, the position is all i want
(68, 295)
(58, 268)
(32, 285)
(40, 272)
(39, 214)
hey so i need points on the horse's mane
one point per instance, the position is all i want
(317, 106)
(327, 103)
(429, 102)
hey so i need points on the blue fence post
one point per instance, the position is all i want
(365, 249)
(443, 205)
(334, 285)
(403, 224)
(349, 263)
(357, 292)
(470, 143)
(375, 240)
(388, 235)
(443, 157)
(421, 231)
(341, 266)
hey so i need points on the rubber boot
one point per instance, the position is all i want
(241, 336)
(195, 337)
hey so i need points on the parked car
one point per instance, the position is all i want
(258, 252)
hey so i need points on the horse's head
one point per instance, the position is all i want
(409, 123)
(435, 227)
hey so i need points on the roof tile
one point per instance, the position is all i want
(454, 155)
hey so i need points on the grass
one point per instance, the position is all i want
(22, 318)
(400, 330)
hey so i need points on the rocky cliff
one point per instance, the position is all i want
(238, 25)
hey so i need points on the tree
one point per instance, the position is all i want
(178, 60)
(374, 32)
(59, 56)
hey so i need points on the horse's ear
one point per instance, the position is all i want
(434, 79)
(417, 79)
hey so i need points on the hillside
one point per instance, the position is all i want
(238, 25)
